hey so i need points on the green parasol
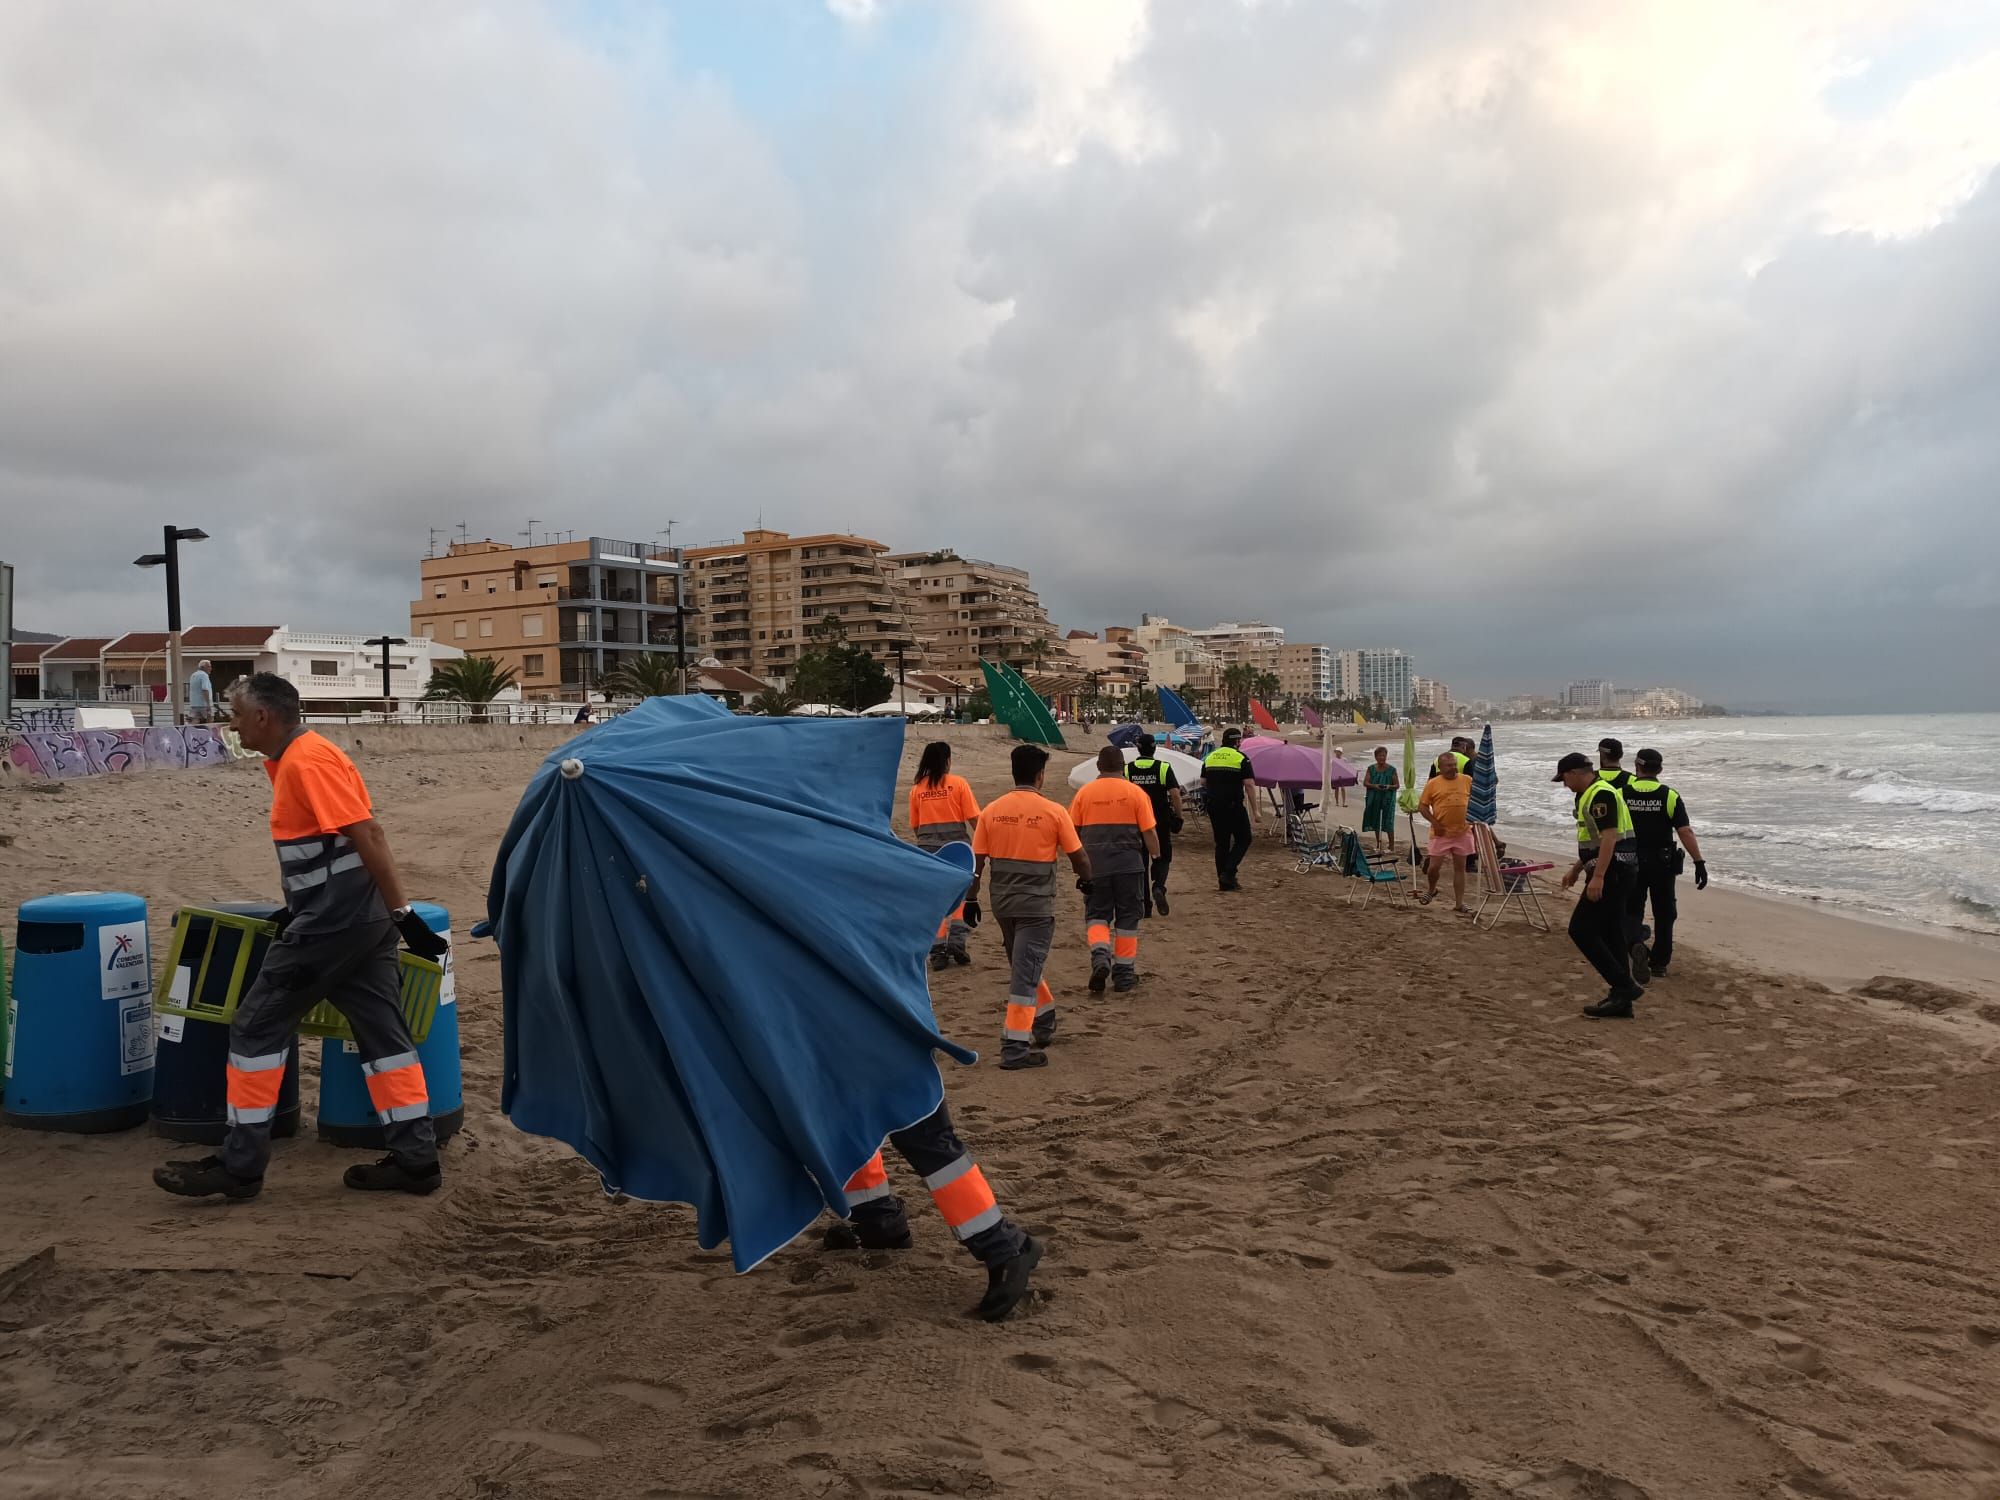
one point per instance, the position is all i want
(1408, 796)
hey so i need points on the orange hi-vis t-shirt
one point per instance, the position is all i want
(1023, 836)
(1111, 817)
(316, 792)
(942, 814)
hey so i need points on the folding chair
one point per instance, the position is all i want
(1509, 884)
(1358, 866)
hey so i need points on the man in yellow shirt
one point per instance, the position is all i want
(1443, 805)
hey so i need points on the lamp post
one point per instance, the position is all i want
(170, 559)
(385, 642)
(902, 690)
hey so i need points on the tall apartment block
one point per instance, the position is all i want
(562, 615)
(966, 609)
(759, 598)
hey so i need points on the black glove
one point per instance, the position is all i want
(417, 935)
(973, 915)
(1083, 884)
(282, 918)
(1701, 874)
(1175, 822)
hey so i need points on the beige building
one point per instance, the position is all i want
(1305, 671)
(1176, 659)
(966, 609)
(1251, 643)
(760, 597)
(1428, 692)
(1115, 664)
(562, 615)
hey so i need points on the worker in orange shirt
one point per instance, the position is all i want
(944, 811)
(1116, 823)
(1022, 836)
(337, 939)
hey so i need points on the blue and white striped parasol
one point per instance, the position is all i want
(1485, 804)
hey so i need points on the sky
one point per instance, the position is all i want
(1545, 339)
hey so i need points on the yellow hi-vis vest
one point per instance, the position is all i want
(1586, 834)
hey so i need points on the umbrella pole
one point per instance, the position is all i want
(1326, 782)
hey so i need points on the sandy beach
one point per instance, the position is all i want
(1340, 1202)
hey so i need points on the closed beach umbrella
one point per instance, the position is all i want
(712, 961)
(1485, 804)
(1126, 735)
(1411, 793)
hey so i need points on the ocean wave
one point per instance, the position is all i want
(1927, 797)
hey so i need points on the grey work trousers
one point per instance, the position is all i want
(356, 969)
(1031, 1007)
(1111, 914)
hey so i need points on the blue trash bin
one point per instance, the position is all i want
(346, 1114)
(80, 1050)
(190, 1078)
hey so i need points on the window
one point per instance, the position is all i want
(464, 584)
(492, 585)
(486, 626)
(531, 625)
(429, 632)
(532, 665)
(438, 592)
(320, 668)
(458, 630)
(545, 580)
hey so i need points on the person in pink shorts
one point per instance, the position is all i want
(1444, 805)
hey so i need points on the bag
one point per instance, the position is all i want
(1680, 860)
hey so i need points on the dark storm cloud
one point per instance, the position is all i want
(1544, 340)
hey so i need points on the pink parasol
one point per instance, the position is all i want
(1281, 763)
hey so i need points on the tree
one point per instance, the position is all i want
(834, 672)
(476, 680)
(1145, 705)
(775, 703)
(648, 676)
(1239, 683)
(978, 704)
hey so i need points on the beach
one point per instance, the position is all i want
(1340, 1202)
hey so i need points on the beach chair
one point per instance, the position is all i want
(1509, 885)
(1358, 866)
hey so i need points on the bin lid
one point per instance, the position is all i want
(85, 906)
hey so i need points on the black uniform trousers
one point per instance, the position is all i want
(1232, 838)
(1656, 878)
(1599, 928)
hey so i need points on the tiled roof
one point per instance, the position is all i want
(77, 648)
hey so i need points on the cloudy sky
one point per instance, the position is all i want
(1657, 340)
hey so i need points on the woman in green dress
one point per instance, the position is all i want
(1379, 815)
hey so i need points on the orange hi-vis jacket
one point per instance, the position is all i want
(1023, 835)
(1111, 817)
(316, 792)
(942, 814)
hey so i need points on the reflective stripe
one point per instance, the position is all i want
(962, 1196)
(937, 835)
(1128, 945)
(344, 863)
(1098, 935)
(293, 854)
(390, 1064)
(261, 1064)
(240, 1115)
(1045, 998)
(255, 1089)
(403, 1112)
(391, 1092)
(1020, 1025)
(870, 1183)
(306, 881)
(978, 1223)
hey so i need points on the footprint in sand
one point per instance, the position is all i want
(568, 1444)
(659, 1397)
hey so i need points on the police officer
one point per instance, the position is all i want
(1610, 754)
(1156, 779)
(1658, 816)
(1607, 854)
(1227, 785)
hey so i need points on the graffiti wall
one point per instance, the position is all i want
(65, 754)
(60, 719)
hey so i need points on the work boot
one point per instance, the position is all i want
(960, 957)
(882, 1232)
(1100, 970)
(1125, 981)
(1616, 1006)
(1045, 1032)
(1007, 1283)
(1160, 901)
(207, 1178)
(1642, 964)
(940, 959)
(1030, 1059)
(390, 1176)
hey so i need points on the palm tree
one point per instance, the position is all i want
(476, 680)
(775, 703)
(649, 676)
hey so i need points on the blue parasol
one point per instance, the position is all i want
(1126, 734)
(712, 961)
(1484, 806)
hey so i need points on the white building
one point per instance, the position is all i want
(1590, 695)
(326, 668)
(1375, 672)
(1250, 643)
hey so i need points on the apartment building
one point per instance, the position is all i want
(1374, 672)
(1428, 692)
(1594, 694)
(563, 614)
(1252, 643)
(1175, 659)
(1305, 671)
(967, 609)
(759, 598)
(1114, 664)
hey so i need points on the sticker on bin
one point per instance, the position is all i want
(122, 967)
(135, 1038)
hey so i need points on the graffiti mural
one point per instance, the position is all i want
(60, 719)
(63, 755)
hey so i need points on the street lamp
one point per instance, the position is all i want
(902, 687)
(385, 642)
(170, 559)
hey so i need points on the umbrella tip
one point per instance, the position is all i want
(572, 768)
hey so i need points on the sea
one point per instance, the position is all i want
(1893, 817)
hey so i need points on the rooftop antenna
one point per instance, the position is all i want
(432, 550)
(669, 533)
(464, 532)
(530, 532)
